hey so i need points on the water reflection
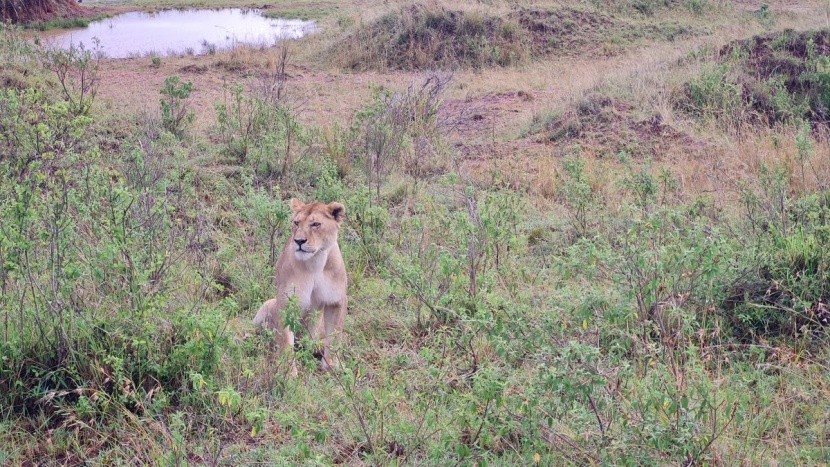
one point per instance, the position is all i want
(173, 32)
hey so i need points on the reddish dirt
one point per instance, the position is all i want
(35, 11)
(484, 117)
(133, 85)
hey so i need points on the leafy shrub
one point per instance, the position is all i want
(783, 289)
(268, 213)
(76, 69)
(579, 196)
(175, 111)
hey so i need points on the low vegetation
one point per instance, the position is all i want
(648, 285)
(776, 78)
(419, 37)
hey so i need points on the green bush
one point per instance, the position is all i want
(784, 284)
(260, 130)
(175, 111)
(472, 248)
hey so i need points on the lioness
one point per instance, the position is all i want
(312, 269)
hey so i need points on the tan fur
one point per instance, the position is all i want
(312, 269)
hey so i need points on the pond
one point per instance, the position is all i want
(176, 32)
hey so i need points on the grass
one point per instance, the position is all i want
(537, 275)
(418, 37)
(305, 11)
(69, 23)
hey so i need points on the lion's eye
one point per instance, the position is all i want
(315, 224)
(296, 223)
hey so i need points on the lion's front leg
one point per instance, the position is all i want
(333, 318)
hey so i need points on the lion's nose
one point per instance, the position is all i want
(300, 241)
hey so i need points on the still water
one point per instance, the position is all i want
(173, 32)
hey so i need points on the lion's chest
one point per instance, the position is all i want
(317, 291)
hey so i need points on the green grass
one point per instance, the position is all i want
(64, 23)
(312, 11)
(299, 9)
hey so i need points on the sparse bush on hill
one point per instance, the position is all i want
(401, 131)
(610, 124)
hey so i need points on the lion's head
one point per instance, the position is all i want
(315, 227)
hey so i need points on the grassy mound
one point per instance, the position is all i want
(565, 31)
(611, 125)
(579, 32)
(417, 37)
(776, 78)
(422, 37)
(787, 74)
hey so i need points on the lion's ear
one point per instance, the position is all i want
(296, 205)
(337, 211)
